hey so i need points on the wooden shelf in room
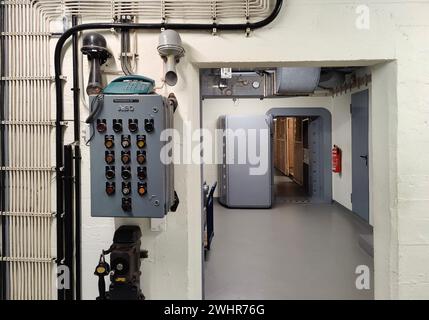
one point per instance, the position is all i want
(289, 147)
(280, 145)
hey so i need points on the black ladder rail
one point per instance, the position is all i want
(68, 220)
(78, 223)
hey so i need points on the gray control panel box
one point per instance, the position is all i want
(128, 178)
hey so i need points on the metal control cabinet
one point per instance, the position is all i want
(128, 178)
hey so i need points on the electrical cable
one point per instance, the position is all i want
(93, 112)
(92, 134)
(125, 49)
(90, 120)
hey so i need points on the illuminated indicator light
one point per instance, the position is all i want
(110, 157)
(126, 188)
(109, 142)
(141, 141)
(126, 141)
(141, 157)
(110, 188)
(142, 189)
(101, 126)
(125, 157)
(140, 144)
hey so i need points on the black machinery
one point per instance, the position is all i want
(124, 268)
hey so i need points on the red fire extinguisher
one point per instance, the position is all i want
(336, 159)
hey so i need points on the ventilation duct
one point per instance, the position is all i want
(293, 81)
(331, 79)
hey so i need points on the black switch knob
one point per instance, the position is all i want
(149, 125)
(141, 173)
(133, 125)
(126, 172)
(126, 204)
(117, 125)
(110, 172)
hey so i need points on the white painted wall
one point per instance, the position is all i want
(342, 137)
(383, 178)
(308, 32)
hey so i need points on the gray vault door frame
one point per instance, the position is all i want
(326, 141)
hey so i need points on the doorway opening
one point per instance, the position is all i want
(304, 245)
(292, 159)
(301, 143)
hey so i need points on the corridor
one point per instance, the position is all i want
(293, 251)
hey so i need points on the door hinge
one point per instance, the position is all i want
(351, 108)
(351, 197)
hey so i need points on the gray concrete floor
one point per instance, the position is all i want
(286, 190)
(292, 251)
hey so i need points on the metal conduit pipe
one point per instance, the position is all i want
(125, 50)
(3, 275)
(76, 222)
(26, 103)
(170, 9)
(68, 218)
(60, 94)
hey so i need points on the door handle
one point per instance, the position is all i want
(366, 159)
